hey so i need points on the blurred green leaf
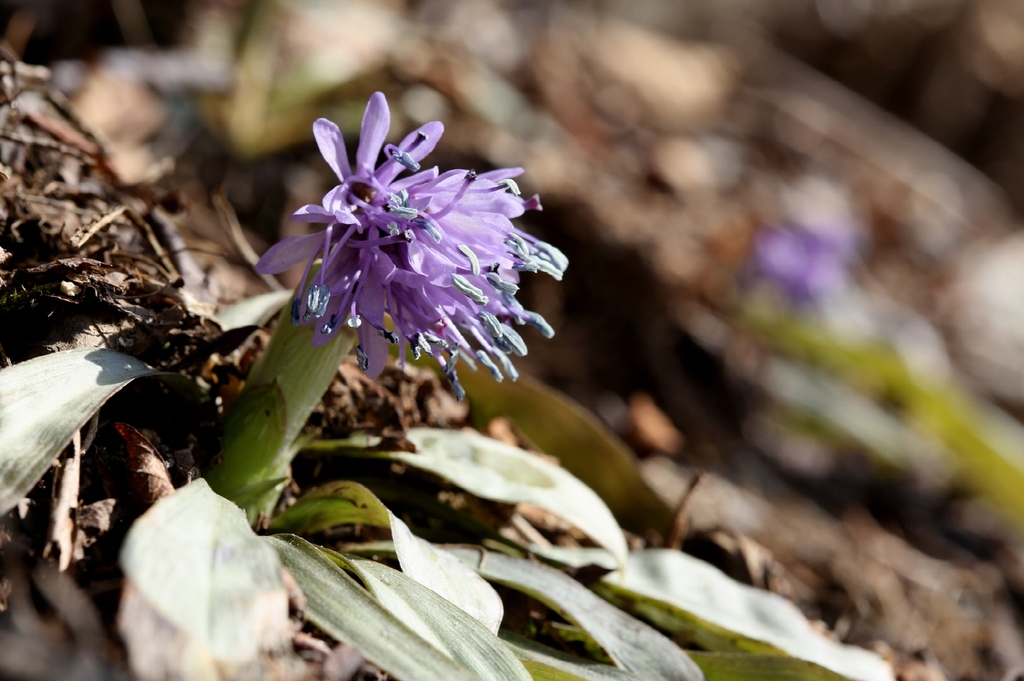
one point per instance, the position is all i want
(680, 593)
(252, 498)
(337, 503)
(987, 443)
(44, 401)
(583, 445)
(347, 612)
(542, 672)
(437, 620)
(747, 667)
(292, 55)
(254, 311)
(194, 561)
(631, 644)
(532, 652)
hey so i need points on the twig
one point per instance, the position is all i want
(62, 522)
(529, 531)
(680, 520)
(230, 219)
(169, 266)
(191, 273)
(98, 225)
(45, 143)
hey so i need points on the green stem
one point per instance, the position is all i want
(262, 426)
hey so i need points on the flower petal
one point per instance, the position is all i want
(332, 147)
(289, 252)
(376, 121)
(312, 213)
(376, 349)
(432, 132)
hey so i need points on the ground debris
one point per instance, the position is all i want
(86, 261)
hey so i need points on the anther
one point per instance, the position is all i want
(548, 252)
(489, 363)
(519, 244)
(403, 159)
(389, 336)
(511, 185)
(364, 361)
(506, 364)
(429, 228)
(316, 301)
(500, 284)
(403, 212)
(474, 263)
(463, 286)
(296, 310)
(534, 319)
(514, 341)
(491, 322)
(331, 325)
(434, 340)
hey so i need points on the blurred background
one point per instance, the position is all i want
(794, 228)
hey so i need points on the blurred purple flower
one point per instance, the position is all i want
(437, 252)
(807, 265)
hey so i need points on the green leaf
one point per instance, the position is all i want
(447, 576)
(252, 498)
(447, 627)
(262, 428)
(533, 653)
(542, 672)
(44, 401)
(987, 443)
(584, 446)
(341, 502)
(631, 644)
(194, 561)
(746, 667)
(499, 472)
(680, 593)
(254, 311)
(344, 610)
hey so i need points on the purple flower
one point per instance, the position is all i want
(807, 265)
(437, 252)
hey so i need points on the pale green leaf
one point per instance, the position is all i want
(194, 560)
(344, 502)
(44, 401)
(344, 610)
(447, 627)
(447, 576)
(254, 311)
(631, 644)
(499, 472)
(532, 652)
(683, 594)
(584, 446)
